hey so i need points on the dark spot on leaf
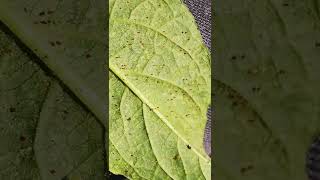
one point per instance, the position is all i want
(43, 22)
(52, 171)
(235, 103)
(243, 56)
(285, 4)
(233, 57)
(12, 109)
(52, 43)
(176, 157)
(129, 119)
(58, 43)
(281, 71)
(22, 138)
(255, 89)
(245, 169)
(317, 44)
(42, 13)
(25, 10)
(189, 147)
(88, 56)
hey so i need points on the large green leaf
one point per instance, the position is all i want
(67, 36)
(53, 90)
(159, 89)
(266, 88)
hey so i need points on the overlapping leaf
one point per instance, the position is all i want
(46, 132)
(267, 90)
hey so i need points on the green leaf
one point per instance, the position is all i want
(58, 33)
(266, 88)
(52, 90)
(159, 89)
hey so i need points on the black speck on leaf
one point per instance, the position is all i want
(52, 171)
(22, 138)
(129, 119)
(234, 103)
(88, 56)
(42, 13)
(246, 169)
(189, 147)
(317, 44)
(233, 57)
(58, 42)
(43, 22)
(285, 4)
(176, 157)
(12, 109)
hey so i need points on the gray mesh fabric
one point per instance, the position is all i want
(201, 10)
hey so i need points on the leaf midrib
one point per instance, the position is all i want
(144, 99)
